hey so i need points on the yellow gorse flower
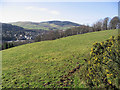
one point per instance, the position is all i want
(96, 58)
(107, 70)
(91, 49)
(104, 58)
(103, 61)
(109, 81)
(108, 75)
(88, 62)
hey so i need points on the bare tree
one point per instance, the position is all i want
(98, 25)
(114, 22)
(105, 23)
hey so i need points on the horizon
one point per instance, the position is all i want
(85, 13)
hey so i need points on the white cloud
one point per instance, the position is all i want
(42, 9)
(29, 8)
(36, 8)
(55, 12)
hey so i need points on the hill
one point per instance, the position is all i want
(13, 32)
(48, 25)
(43, 64)
(9, 30)
(9, 27)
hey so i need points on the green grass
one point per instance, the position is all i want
(33, 65)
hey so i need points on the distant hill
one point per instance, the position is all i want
(8, 31)
(48, 25)
(13, 32)
(9, 27)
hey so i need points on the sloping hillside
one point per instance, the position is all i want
(43, 64)
(48, 25)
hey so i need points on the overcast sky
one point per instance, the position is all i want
(79, 12)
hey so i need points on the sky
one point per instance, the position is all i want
(80, 12)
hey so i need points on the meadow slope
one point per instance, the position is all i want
(35, 64)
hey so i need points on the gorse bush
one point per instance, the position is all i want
(103, 68)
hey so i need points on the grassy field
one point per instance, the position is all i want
(43, 64)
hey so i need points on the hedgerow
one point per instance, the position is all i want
(103, 67)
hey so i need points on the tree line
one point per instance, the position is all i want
(105, 24)
(6, 45)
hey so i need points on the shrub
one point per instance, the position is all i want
(103, 68)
